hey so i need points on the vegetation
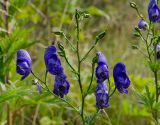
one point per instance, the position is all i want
(32, 25)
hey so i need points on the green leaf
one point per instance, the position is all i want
(13, 93)
(98, 12)
(90, 119)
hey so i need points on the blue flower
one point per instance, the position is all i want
(23, 63)
(121, 79)
(158, 51)
(142, 24)
(153, 11)
(52, 61)
(61, 85)
(102, 72)
(102, 96)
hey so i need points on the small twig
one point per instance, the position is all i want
(3, 30)
(73, 69)
(63, 15)
(37, 10)
(107, 116)
(65, 37)
(85, 56)
(35, 115)
(112, 92)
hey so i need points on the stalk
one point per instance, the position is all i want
(77, 16)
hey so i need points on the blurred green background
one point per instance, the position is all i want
(31, 24)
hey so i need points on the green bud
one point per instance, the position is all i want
(94, 60)
(133, 5)
(134, 47)
(60, 33)
(86, 15)
(62, 54)
(60, 46)
(100, 36)
(77, 15)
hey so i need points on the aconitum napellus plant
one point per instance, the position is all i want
(53, 56)
(148, 33)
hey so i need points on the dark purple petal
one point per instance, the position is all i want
(23, 63)
(142, 24)
(102, 96)
(158, 51)
(153, 11)
(102, 72)
(52, 61)
(121, 79)
(101, 58)
(61, 85)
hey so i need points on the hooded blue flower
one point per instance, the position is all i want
(61, 85)
(158, 50)
(121, 79)
(102, 96)
(153, 11)
(23, 63)
(52, 61)
(142, 24)
(102, 68)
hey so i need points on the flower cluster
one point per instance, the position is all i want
(121, 80)
(102, 72)
(153, 11)
(154, 16)
(54, 67)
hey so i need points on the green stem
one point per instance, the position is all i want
(109, 85)
(38, 79)
(73, 69)
(157, 94)
(45, 82)
(112, 92)
(90, 84)
(85, 56)
(65, 37)
(147, 46)
(77, 16)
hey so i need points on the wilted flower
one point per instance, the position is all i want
(121, 79)
(158, 51)
(61, 85)
(23, 63)
(102, 68)
(153, 11)
(102, 96)
(52, 61)
(142, 24)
